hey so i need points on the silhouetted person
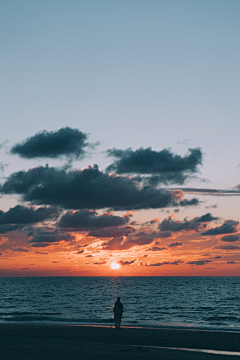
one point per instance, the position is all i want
(118, 310)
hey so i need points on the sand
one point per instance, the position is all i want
(38, 342)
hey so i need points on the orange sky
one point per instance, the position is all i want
(191, 254)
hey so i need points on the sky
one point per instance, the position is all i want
(119, 138)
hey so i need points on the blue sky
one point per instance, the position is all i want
(130, 73)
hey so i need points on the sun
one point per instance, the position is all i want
(115, 266)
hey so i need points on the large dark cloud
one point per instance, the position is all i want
(53, 144)
(228, 227)
(27, 215)
(87, 189)
(164, 166)
(85, 219)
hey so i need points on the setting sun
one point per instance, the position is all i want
(115, 266)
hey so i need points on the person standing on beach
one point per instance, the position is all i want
(118, 310)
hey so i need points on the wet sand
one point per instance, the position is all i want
(38, 342)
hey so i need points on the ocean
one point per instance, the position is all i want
(171, 302)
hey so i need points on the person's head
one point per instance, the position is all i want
(118, 299)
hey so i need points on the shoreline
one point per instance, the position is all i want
(111, 325)
(20, 341)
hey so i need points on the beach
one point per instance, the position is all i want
(27, 342)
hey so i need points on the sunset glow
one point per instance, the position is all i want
(115, 266)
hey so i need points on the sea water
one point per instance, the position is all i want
(181, 302)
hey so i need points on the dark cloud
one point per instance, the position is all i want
(206, 218)
(112, 232)
(231, 238)
(187, 202)
(164, 166)
(175, 244)
(49, 237)
(100, 263)
(213, 192)
(87, 189)
(156, 248)
(170, 224)
(84, 219)
(80, 252)
(229, 226)
(53, 144)
(27, 215)
(231, 262)
(176, 262)
(20, 250)
(227, 247)
(4, 229)
(217, 257)
(124, 263)
(199, 262)
(139, 239)
(24, 269)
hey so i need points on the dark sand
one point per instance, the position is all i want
(38, 342)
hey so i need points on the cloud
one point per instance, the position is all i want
(231, 238)
(227, 247)
(170, 224)
(46, 238)
(199, 262)
(231, 262)
(229, 226)
(88, 189)
(136, 239)
(176, 262)
(124, 263)
(84, 219)
(217, 257)
(53, 144)
(164, 166)
(206, 218)
(213, 192)
(112, 232)
(27, 215)
(156, 248)
(20, 250)
(175, 244)
(100, 263)
(80, 252)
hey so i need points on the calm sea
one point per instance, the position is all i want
(197, 302)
